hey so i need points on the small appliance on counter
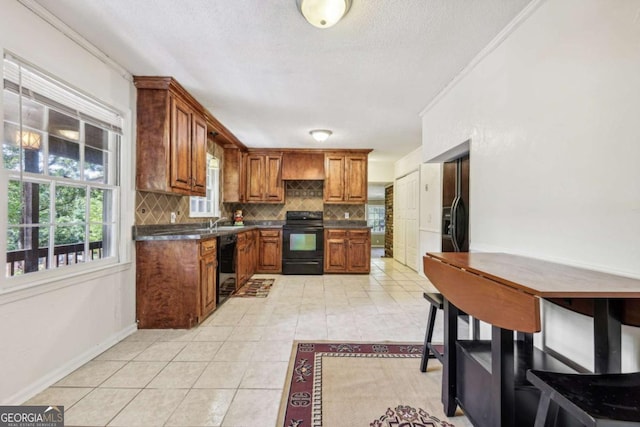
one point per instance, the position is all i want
(238, 219)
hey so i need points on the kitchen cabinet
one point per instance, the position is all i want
(171, 146)
(233, 175)
(303, 165)
(208, 276)
(345, 177)
(347, 250)
(269, 251)
(175, 282)
(246, 257)
(263, 178)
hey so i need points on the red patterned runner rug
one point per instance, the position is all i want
(364, 384)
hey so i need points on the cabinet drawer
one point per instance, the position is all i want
(358, 234)
(336, 234)
(269, 233)
(207, 246)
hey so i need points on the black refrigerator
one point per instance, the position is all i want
(455, 205)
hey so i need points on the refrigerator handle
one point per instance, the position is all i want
(454, 227)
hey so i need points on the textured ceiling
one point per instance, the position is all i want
(270, 77)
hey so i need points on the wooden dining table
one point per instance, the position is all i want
(505, 291)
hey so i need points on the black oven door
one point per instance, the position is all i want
(302, 243)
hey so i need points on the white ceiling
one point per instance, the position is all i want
(270, 77)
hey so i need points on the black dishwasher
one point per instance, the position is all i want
(226, 284)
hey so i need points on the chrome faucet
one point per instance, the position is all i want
(214, 224)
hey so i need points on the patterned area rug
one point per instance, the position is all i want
(255, 288)
(360, 384)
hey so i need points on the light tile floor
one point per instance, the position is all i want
(230, 371)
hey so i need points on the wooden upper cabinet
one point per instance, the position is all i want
(263, 178)
(303, 165)
(355, 177)
(334, 178)
(180, 144)
(274, 188)
(255, 178)
(233, 176)
(199, 155)
(345, 177)
(171, 138)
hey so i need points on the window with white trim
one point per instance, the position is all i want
(60, 153)
(375, 217)
(208, 206)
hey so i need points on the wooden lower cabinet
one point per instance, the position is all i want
(208, 276)
(269, 251)
(246, 256)
(347, 250)
(175, 282)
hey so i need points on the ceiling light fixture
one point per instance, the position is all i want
(320, 135)
(28, 140)
(323, 13)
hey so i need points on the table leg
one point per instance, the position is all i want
(502, 378)
(450, 363)
(607, 335)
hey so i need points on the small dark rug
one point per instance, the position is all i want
(359, 384)
(255, 288)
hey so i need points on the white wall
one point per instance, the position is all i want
(409, 163)
(378, 171)
(48, 332)
(552, 116)
(430, 210)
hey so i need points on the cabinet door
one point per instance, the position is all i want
(255, 178)
(359, 251)
(199, 156)
(242, 259)
(356, 179)
(208, 265)
(274, 188)
(270, 251)
(233, 176)
(334, 178)
(180, 145)
(335, 251)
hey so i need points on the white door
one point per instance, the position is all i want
(406, 208)
(412, 219)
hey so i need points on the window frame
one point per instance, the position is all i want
(380, 205)
(212, 190)
(112, 183)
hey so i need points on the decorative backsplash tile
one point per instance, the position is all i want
(153, 208)
(356, 212)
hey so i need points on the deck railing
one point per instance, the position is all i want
(63, 255)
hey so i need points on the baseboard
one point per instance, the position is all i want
(64, 370)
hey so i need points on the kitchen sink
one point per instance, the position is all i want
(190, 231)
(230, 227)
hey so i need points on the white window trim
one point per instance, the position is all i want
(33, 283)
(213, 179)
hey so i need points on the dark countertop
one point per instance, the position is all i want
(195, 231)
(346, 224)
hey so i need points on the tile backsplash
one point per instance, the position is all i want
(152, 208)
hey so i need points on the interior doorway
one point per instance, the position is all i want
(455, 205)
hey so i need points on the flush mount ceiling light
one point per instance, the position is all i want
(320, 135)
(28, 140)
(323, 13)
